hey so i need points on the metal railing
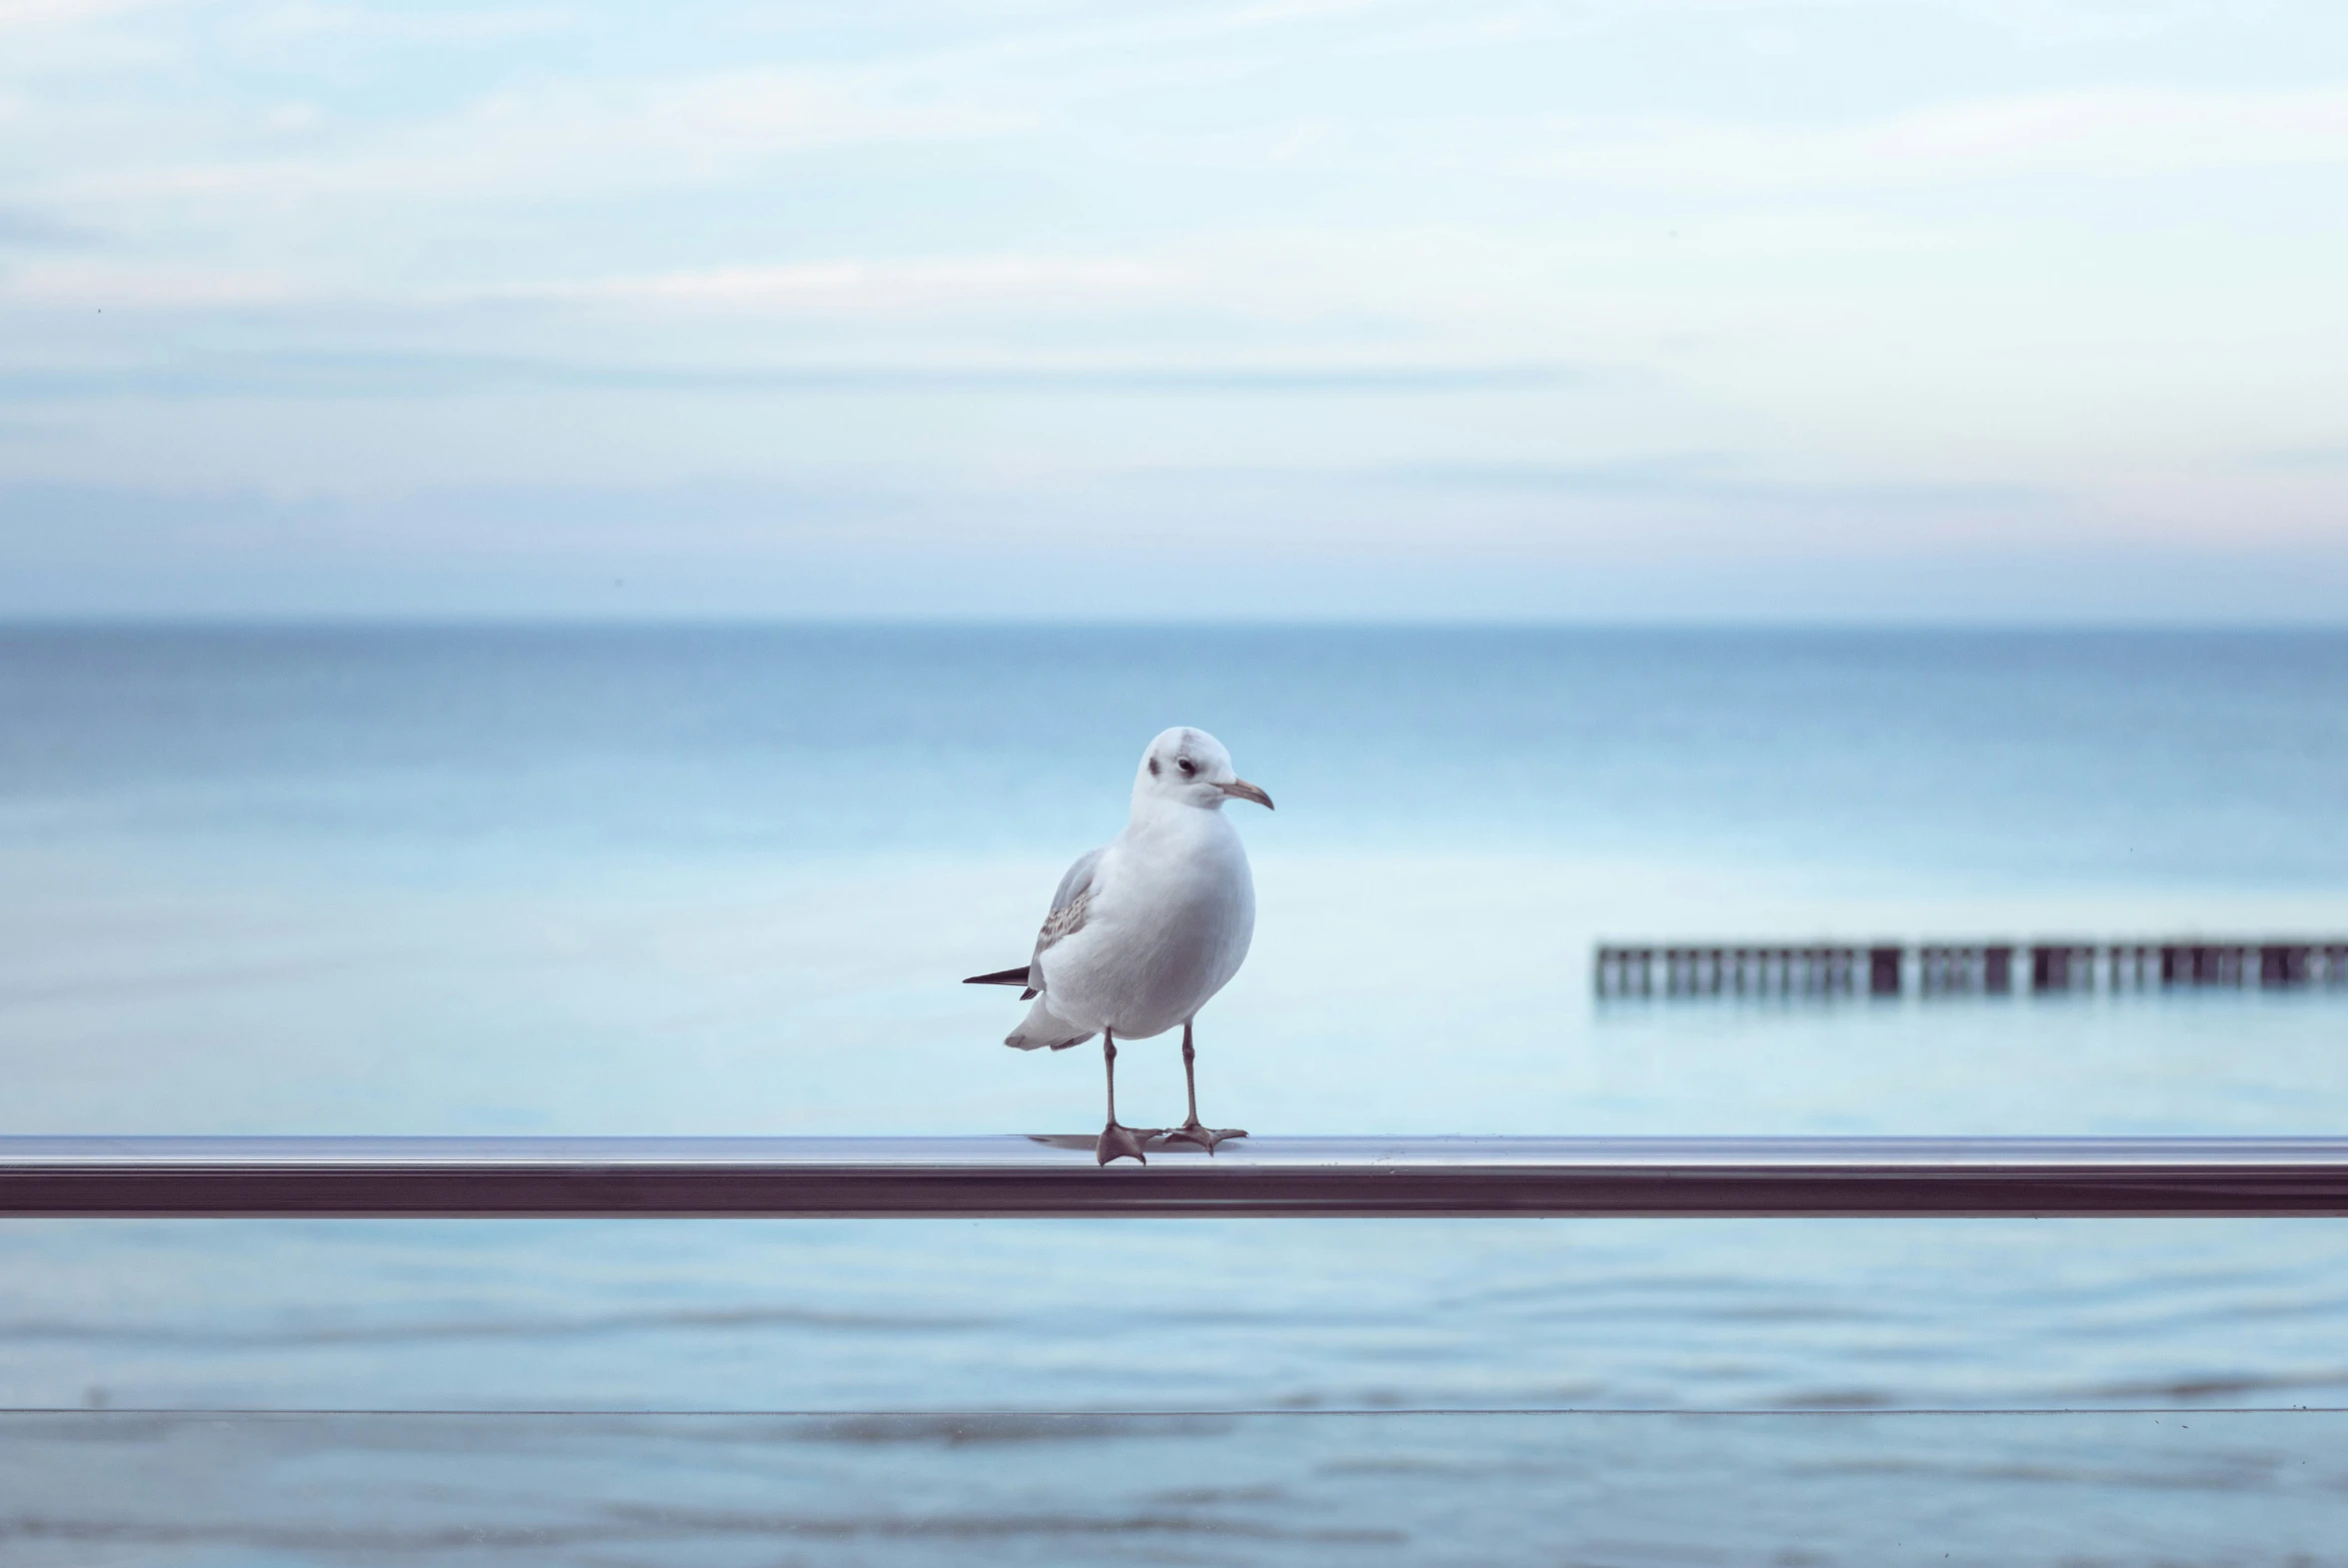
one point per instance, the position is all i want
(1009, 1175)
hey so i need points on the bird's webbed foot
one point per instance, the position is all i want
(1118, 1141)
(1205, 1137)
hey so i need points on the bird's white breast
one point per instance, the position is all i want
(1173, 912)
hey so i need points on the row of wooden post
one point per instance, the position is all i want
(1943, 969)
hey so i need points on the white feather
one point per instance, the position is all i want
(1167, 911)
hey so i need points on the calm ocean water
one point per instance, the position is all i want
(725, 881)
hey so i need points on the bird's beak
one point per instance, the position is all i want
(1242, 790)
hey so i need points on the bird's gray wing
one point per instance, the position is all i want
(1069, 907)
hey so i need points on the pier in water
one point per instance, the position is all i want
(1988, 968)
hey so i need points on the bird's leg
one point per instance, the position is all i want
(1116, 1140)
(1191, 1131)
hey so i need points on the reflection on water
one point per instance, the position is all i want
(1175, 1314)
(1880, 1491)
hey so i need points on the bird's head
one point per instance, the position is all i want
(1191, 767)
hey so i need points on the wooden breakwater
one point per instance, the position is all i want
(1958, 968)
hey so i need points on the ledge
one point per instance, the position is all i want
(1010, 1175)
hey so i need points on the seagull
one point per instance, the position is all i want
(1147, 929)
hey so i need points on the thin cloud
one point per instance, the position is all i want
(1714, 477)
(2101, 133)
(823, 286)
(60, 14)
(396, 375)
(398, 24)
(2036, 23)
(28, 228)
(866, 285)
(583, 137)
(92, 283)
(2299, 459)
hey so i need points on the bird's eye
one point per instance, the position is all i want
(1187, 766)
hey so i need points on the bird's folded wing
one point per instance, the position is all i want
(1069, 906)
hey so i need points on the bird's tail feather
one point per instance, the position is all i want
(1042, 1029)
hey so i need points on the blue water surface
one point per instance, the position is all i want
(725, 879)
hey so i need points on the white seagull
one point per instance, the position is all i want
(1147, 928)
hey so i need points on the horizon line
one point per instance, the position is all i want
(532, 619)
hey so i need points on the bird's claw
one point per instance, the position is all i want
(1117, 1141)
(1205, 1137)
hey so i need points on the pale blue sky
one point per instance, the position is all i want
(1972, 309)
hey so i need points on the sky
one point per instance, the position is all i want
(1907, 311)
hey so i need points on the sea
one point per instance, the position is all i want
(725, 879)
